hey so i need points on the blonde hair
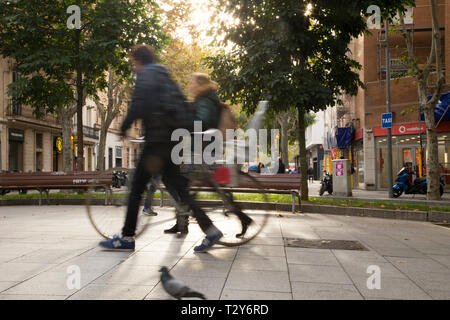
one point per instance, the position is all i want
(205, 84)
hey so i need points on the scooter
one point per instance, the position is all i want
(419, 185)
(326, 184)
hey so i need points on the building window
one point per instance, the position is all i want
(118, 157)
(16, 108)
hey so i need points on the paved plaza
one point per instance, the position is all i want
(41, 247)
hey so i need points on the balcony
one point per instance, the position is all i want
(14, 109)
(92, 133)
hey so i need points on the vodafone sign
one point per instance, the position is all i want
(401, 129)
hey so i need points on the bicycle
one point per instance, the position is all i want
(108, 221)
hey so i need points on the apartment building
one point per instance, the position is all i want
(361, 115)
(29, 144)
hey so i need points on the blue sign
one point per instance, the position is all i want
(386, 120)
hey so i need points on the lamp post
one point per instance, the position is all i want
(388, 109)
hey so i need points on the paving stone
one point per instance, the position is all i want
(230, 294)
(315, 273)
(260, 250)
(30, 297)
(260, 263)
(206, 268)
(215, 253)
(258, 281)
(392, 288)
(131, 275)
(324, 291)
(4, 285)
(409, 264)
(148, 258)
(112, 292)
(52, 283)
(315, 258)
(439, 294)
(20, 271)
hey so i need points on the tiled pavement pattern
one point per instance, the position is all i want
(38, 244)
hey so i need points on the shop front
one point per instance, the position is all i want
(16, 150)
(409, 149)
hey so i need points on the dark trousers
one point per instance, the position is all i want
(155, 159)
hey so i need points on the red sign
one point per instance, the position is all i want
(334, 153)
(409, 128)
(401, 129)
(359, 134)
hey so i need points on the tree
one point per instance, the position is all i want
(60, 66)
(184, 54)
(423, 76)
(293, 54)
(109, 105)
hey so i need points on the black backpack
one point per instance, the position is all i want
(178, 113)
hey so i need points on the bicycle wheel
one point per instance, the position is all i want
(108, 220)
(231, 217)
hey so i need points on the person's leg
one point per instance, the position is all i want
(140, 180)
(182, 209)
(126, 240)
(148, 202)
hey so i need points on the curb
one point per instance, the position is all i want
(428, 216)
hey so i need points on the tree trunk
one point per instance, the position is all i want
(284, 143)
(101, 148)
(302, 152)
(80, 102)
(283, 121)
(432, 161)
(65, 117)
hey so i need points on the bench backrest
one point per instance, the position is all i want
(52, 179)
(275, 181)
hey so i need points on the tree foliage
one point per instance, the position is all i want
(292, 53)
(34, 34)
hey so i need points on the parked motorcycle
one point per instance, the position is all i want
(419, 186)
(326, 184)
(120, 179)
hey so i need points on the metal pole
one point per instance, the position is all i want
(388, 108)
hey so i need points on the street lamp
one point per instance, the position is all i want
(388, 110)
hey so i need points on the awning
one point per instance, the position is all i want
(339, 137)
(442, 109)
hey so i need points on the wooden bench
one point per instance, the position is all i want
(273, 184)
(45, 181)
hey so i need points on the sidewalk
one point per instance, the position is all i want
(40, 248)
(359, 194)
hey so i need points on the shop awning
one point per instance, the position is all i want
(442, 109)
(339, 137)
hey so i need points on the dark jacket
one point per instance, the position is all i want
(207, 109)
(146, 104)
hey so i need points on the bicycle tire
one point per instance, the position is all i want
(103, 222)
(230, 239)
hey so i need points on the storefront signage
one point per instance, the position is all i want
(58, 144)
(16, 135)
(401, 129)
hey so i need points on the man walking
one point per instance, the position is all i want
(148, 103)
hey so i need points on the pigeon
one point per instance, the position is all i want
(176, 288)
